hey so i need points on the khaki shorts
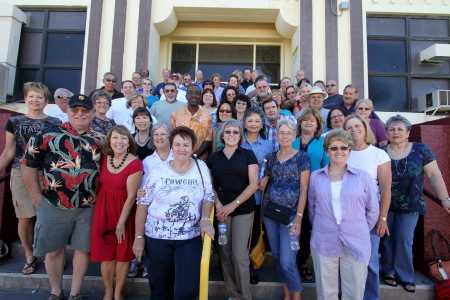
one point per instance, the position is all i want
(21, 199)
(56, 228)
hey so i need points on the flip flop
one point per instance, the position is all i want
(305, 272)
(410, 284)
(390, 277)
(29, 268)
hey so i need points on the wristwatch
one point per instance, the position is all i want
(446, 199)
(139, 236)
(238, 202)
(383, 218)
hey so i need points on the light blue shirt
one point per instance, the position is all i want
(315, 151)
(261, 147)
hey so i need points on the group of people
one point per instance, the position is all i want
(134, 175)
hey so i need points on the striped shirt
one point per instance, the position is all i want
(360, 211)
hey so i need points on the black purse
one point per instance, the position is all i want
(277, 213)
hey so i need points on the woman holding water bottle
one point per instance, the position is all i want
(288, 170)
(343, 208)
(255, 140)
(235, 179)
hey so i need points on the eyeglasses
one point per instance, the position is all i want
(262, 87)
(169, 91)
(235, 132)
(330, 85)
(292, 93)
(102, 102)
(146, 83)
(111, 80)
(364, 108)
(334, 149)
(285, 133)
(225, 111)
(82, 110)
(60, 96)
(336, 116)
(241, 103)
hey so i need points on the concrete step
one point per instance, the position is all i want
(11, 279)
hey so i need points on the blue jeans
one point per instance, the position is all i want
(396, 249)
(174, 268)
(285, 257)
(372, 290)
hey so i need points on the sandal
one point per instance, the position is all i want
(406, 284)
(389, 277)
(306, 273)
(29, 268)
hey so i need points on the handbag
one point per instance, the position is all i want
(277, 212)
(439, 269)
(258, 252)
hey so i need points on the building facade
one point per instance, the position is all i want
(374, 44)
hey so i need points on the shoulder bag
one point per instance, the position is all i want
(258, 252)
(439, 269)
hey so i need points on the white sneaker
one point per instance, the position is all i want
(144, 273)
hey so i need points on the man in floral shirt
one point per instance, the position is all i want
(69, 153)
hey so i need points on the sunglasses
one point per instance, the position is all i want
(364, 108)
(225, 111)
(108, 232)
(343, 148)
(330, 85)
(60, 96)
(235, 132)
(336, 116)
(241, 103)
(292, 93)
(169, 91)
(111, 80)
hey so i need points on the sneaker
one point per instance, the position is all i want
(55, 297)
(134, 268)
(76, 297)
(144, 273)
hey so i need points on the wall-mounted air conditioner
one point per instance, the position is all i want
(4, 70)
(436, 100)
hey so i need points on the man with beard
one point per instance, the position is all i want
(144, 73)
(262, 91)
(110, 82)
(62, 97)
(272, 112)
(333, 97)
(187, 80)
(162, 109)
(350, 98)
(194, 117)
(159, 88)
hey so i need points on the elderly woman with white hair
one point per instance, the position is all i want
(289, 171)
(235, 179)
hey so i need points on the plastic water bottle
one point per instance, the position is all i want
(222, 231)
(262, 171)
(294, 241)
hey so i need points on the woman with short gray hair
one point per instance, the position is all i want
(410, 161)
(288, 170)
(235, 173)
(101, 101)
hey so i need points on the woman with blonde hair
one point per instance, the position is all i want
(377, 163)
(364, 108)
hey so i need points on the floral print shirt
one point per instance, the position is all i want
(71, 164)
(407, 180)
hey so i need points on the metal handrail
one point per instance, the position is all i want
(204, 264)
(5, 177)
(433, 197)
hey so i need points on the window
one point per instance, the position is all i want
(51, 50)
(224, 59)
(396, 76)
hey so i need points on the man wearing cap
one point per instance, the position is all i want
(159, 88)
(333, 97)
(69, 153)
(207, 84)
(350, 98)
(181, 95)
(163, 109)
(110, 82)
(62, 97)
(315, 99)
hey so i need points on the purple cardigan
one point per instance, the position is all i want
(360, 211)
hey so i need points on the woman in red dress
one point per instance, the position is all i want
(113, 222)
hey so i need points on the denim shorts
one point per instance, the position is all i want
(55, 228)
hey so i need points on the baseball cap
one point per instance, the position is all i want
(81, 100)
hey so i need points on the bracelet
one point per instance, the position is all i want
(139, 236)
(237, 201)
(205, 219)
(446, 199)
(120, 228)
(299, 214)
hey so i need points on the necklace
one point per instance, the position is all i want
(121, 163)
(396, 163)
(139, 141)
(336, 172)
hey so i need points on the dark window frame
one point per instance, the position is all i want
(42, 66)
(408, 38)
